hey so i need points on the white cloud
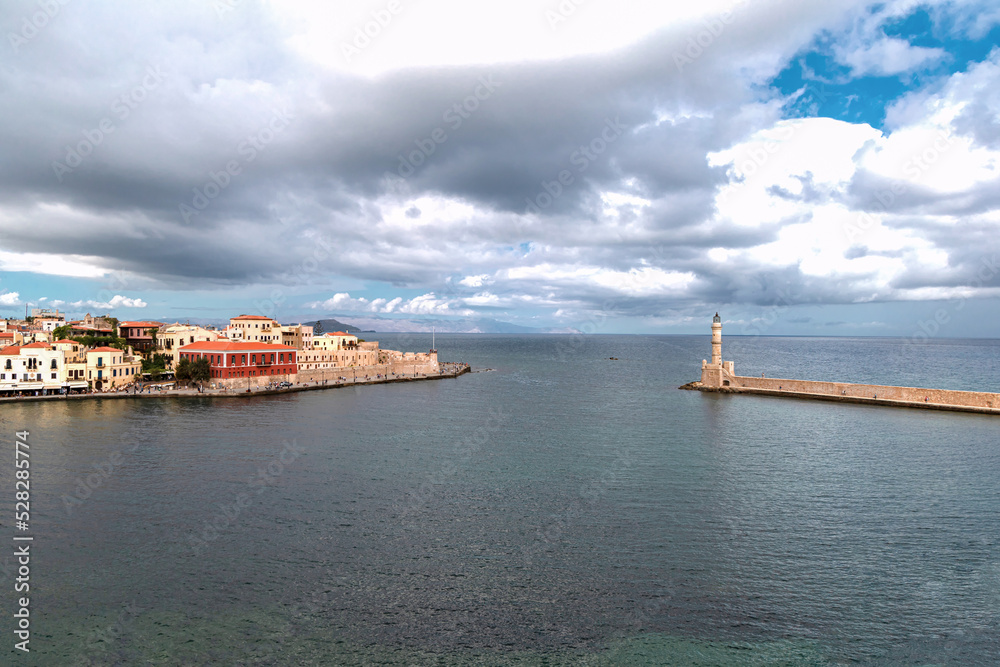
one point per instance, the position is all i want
(117, 301)
(10, 299)
(73, 266)
(886, 56)
(476, 281)
(441, 33)
(425, 304)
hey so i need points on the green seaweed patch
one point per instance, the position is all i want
(256, 637)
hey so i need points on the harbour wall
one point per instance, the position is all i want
(917, 397)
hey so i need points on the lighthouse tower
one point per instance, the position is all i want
(719, 373)
(716, 340)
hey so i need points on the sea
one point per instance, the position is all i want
(564, 504)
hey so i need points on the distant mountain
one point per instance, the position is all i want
(329, 326)
(469, 325)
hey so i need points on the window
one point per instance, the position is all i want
(53, 365)
(253, 359)
(8, 365)
(53, 376)
(281, 358)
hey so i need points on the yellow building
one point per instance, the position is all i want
(299, 336)
(75, 368)
(254, 329)
(109, 368)
(171, 337)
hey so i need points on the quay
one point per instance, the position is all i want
(719, 376)
(448, 371)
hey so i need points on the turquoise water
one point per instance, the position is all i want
(562, 509)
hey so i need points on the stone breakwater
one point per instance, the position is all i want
(904, 397)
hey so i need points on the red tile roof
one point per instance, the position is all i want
(36, 346)
(252, 317)
(106, 349)
(69, 342)
(11, 349)
(140, 324)
(232, 346)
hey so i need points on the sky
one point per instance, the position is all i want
(803, 168)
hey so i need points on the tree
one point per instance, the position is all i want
(182, 370)
(201, 371)
(318, 329)
(152, 333)
(156, 365)
(61, 333)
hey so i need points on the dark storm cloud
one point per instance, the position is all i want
(150, 136)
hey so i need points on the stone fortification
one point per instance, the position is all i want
(914, 397)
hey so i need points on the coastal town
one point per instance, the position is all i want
(45, 354)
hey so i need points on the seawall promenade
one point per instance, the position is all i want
(904, 397)
(449, 370)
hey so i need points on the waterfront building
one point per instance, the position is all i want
(254, 328)
(109, 368)
(36, 367)
(243, 359)
(299, 336)
(342, 350)
(172, 337)
(139, 335)
(74, 375)
(718, 373)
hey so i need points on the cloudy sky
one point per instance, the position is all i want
(825, 168)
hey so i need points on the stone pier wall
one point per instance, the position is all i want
(846, 390)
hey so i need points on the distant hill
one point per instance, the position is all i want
(329, 326)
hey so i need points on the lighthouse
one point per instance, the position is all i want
(718, 373)
(717, 340)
